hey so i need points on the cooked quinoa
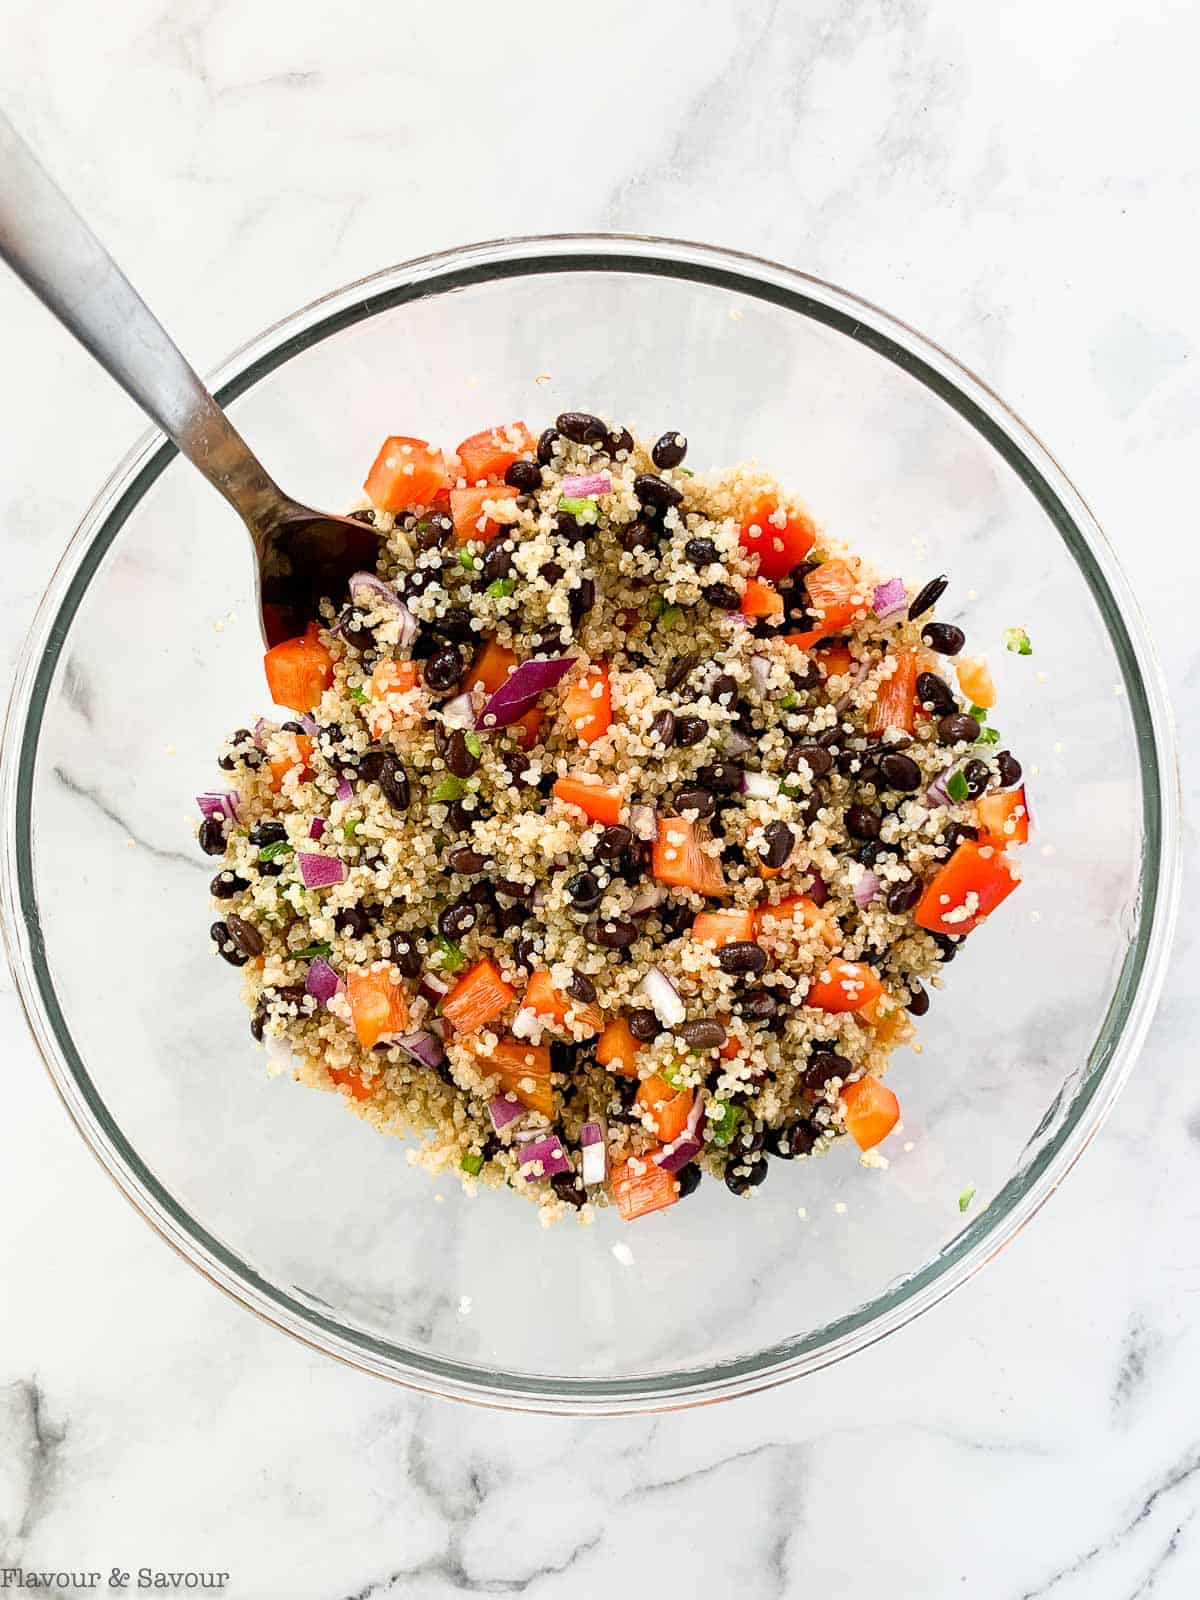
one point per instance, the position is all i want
(624, 821)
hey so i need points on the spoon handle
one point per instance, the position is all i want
(49, 245)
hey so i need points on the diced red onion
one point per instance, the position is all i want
(735, 742)
(528, 1135)
(321, 872)
(460, 712)
(503, 1111)
(675, 1156)
(737, 618)
(860, 671)
(549, 1151)
(316, 827)
(865, 890)
(818, 891)
(522, 691)
(647, 899)
(664, 998)
(368, 590)
(345, 789)
(595, 1153)
(890, 597)
(760, 671)
(309, 724)
(423, 1047)
(938, 794)
(322, 981)
(585, 484)
(434, 989)
(643, 820)
(222, 804)
(261, 729)
(760, 785)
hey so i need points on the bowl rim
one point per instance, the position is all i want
(1135, 993)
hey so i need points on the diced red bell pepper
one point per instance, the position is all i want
(896, 703)
(617, 1049)
(679, 860)
(778, 549)
(598, 803)
(406, 473)
(490, 454)
(968, 888)
(349, 1078)
(761, 599)
(523, 1069)
(728, 926)
(377, 1003)
(549, 1003)
(795, 908)
(871, 1111)
(639, 1186)
(299, 671)
(976, 681)
(293, 758)
(526, 728)
(467, 513)
(835, 595)
(843, 986)
(1003, 818)
(492, 667)
(834, 660)
(478, 997)
(388, 683)
(668, 1109)
(588, 704)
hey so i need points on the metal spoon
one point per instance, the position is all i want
(301, 554)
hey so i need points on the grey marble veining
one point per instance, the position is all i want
(1022, 183)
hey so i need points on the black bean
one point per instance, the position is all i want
(1008, 769)
(704, 1034)
(900, 772)
(947, 945)
(780, 843)
(862, 822)
(758, 1005)
(824, 1065)
(459, 817)
(794, 1139)
(688, 1178)
(552, 573)
(517, 763)
(219, 933)
(655, 495)
(742, 957)
(978, 775)
(807, 807)
(613, 842)
(513, 889)
(953, 832)
(644, 1024)
(497, 563)
(433, 531)
(723, 596)
(817, 759)
(352, 922)
(568, 1186)
(743, 1174)
(406, 958)
(454, 623)
(580, 427)
(723, 689)
(638, 536)
(584, 891)
(679, 671)
(902, 897)
(226, 884)
(690, 729)
(524, 475)
(943, 637)
(581, 600)
(702, 801)
(258, 1022)
(444, 670)
(701, 552)
(245, 935)
(936, 694)
(393, 781)
(291, 727)
(211, 836)
(928, 597)
(669, 451)
(618, 439)
(513, 916)
(242, 748)
(917, 1003)
(611, 933)
(459, 758)
(462, 858)
(581, 988)
(526, 951)
(545, 445)
(268, 869)
(958, 728)
(457, 919)
(662, 728)
(547, 641)
(722, 777)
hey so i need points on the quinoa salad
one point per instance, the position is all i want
(618, 825)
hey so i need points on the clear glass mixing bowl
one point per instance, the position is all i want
(145, 652)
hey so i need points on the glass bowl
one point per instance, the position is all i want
(145, 653)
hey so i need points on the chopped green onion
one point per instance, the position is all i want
(655, 606)
(686, 471)
(453, 959)
(724, 1127)
(472, 1162)
(676, 1073)
(356, 694)
(474, 744)
(789, 700)
(965, 1198)
(671, 616)
(979, 713)
(466, 560)
(989, 736)
(272, 852)
(448, 789)
(581, 510)
(501, 588)
(311, 952)
(1017, 640)
(349, 829)
(957, 788)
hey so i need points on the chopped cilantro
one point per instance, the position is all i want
(671, 617)
(272, 852)
(1017, 640)
(356, 694)
(675, 1072)
(965, 1198)
(685, 471)
(349, 829)
(789, 700)
(472, 1162)
(979, 713)
(956, 787)
(989, 736)
(655, 606)
(311, 952)
(501, 588)
(449, 789)
(453, 959)
(466, 560)
(474, 744)
(582, 510)
(723, 1127)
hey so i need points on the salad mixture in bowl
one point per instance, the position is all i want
(623, 822)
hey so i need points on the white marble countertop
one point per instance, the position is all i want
(1020, 181)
